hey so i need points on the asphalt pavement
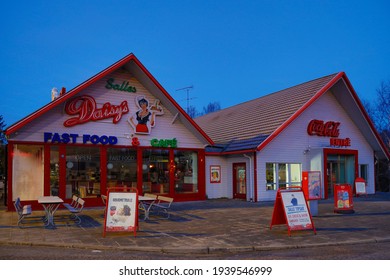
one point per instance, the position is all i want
(211, 226)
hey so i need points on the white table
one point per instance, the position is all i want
(146, 203)
(50, 205)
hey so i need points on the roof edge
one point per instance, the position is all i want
(324, 89)
(331, 83)
(366, 117)
(130, 57)
(11, 129)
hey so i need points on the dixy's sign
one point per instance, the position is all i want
(85, 109)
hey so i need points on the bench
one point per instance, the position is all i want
(23, 211)
(75, 208)
(163, 205)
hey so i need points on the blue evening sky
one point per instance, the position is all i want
(229, 51)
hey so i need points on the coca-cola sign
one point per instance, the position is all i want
(85, 109)
(321, 128)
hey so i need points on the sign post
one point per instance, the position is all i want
(360, 187)
(121, 212)
(291, 208)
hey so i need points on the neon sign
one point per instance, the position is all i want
(66, 138)
(122, 87)
(86, 110)
(321, 128)
(328, 129)
(164, 143)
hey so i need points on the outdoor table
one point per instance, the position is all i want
(146, 203)
(50, 205)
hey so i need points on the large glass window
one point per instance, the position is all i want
(186, 172)
(155, 171)
(121, 167)
(27, 166)
(82, 171)
(283, 175)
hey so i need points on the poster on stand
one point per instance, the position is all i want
(343, 202)
(121, 212)
(291, 209)
(311, 183)
(360, 187)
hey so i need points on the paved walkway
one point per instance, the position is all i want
(211, 226)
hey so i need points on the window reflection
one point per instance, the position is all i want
(155, 171)
(82, 171)
(186, 172)
(121, 167)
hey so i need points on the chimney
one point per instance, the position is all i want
(54, 94)
(63, 91)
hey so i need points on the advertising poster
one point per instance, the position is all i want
(314, 185)
(215, 174)
(343, 198)
(360, 186)
(121, 212)
(297, 213)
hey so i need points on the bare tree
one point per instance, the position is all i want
(382, 112)
(192, 112)
(211, 107)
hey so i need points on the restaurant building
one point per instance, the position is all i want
(118, 128)
(122, 128)
(266, 144)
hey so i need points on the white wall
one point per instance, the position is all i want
(53, 121)
(289, 146)
(225, 188)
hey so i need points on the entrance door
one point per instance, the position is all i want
(336, 175)
(239, 180)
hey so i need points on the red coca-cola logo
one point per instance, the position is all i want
(85, 109)
(321, 128)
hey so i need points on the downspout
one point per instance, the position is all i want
(250, 179)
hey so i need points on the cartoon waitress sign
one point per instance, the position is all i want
(144, 119)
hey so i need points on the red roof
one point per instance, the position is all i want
(251, 125)
(141, 70)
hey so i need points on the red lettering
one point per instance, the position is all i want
(319, 128)
(85, 109)
(340, 142)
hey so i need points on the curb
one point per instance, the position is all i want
(196, 250)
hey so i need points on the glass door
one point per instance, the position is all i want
(336, 174)
(239, 180)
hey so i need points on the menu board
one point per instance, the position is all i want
(296, 209)
(121, 212)
(360, 186)
(291, 208)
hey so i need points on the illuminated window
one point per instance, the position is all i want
(283, 175)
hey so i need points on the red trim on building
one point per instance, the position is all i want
(131, 57)
(255, 176)
(365, 114)
(300, 111)
(326, 152)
